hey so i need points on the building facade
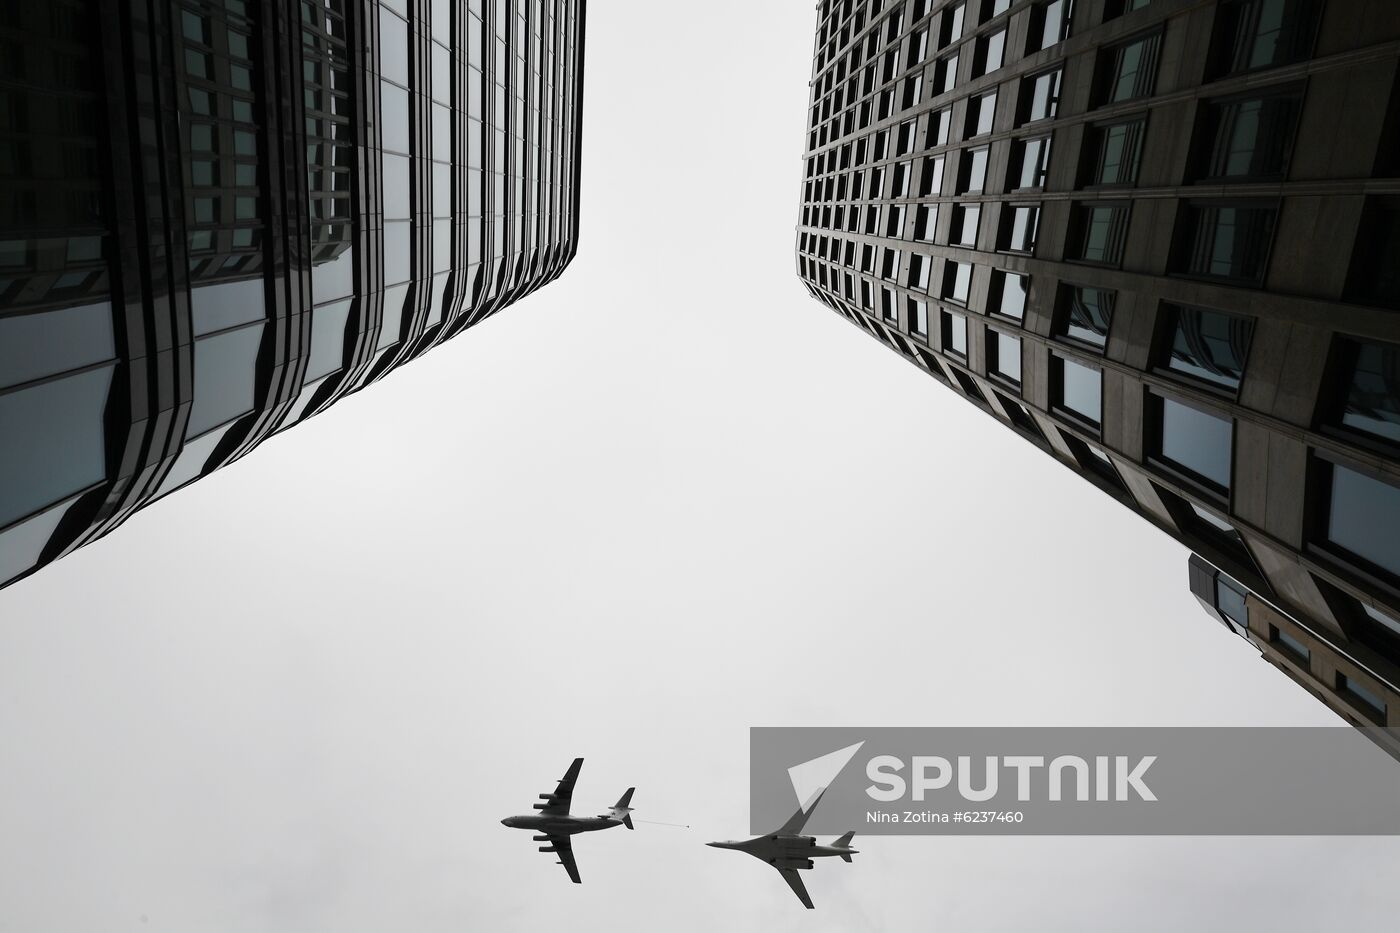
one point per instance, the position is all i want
(219, 217)
(1160, 239)
(1357, 678)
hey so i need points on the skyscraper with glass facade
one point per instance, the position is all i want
(219, 217)
(1157, 238)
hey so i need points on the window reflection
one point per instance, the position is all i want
(191, 462)
(1362, 517)
(225, 371)
(327, 340)
(1087, 315)
(33, 346)
(389, 330)
(227, 304)
(1208, 345)
(54, 441)
(1370, 382)
(1195, 441)
(1077, 389)
(396, 251)
(23, 544)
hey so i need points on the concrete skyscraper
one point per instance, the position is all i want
(1160, 240)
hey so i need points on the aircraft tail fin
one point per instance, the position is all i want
(622, 810)
(845, 843)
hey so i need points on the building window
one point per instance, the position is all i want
(1085, 315)
(1370, 700)
(1049, 24)
(54, 430)
(931, 177)
(1192, 441)
(895, 228)
(1031, 161)
(1116, 8)
(1127, 71)
(1210, 346)
(1040, 97)
(1229, 242)
(918, 317)
(972, 171)
(1366, 388)
(899, 186)
(938, 123)
(1098, 233)
(1361, 514)
(918, 271)
(1230, 600)
(904, 142)
(913, 89)
(1251, 34)
(1202, 527)
(966, 218)
(889, 306)
(1076, 390)
(991, 49)
(945, 76)
(1291, 646)
(954, 328)
(951, 27)
(1374, 277)
(926, 222)
(918, 48)
(1370, 625)
(1094, 462)
(1020, 417)
(1008, 295)
(1004, 356)
(969, 386)
(1019, 223)
(890, 268)
(957, 281)
(991, 8)
(980, 111)
(1113, 152)
(1247, 138)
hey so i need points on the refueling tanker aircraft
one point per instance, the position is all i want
(555, 825)
(787, 850)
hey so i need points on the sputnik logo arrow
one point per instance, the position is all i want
(812, 777)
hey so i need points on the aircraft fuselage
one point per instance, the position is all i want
(770, 848)
(560, 825)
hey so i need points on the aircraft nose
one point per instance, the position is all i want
(505, 822)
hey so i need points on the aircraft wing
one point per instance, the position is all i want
(799, 819)
(565, 850)
(557, 803)
(794, 881)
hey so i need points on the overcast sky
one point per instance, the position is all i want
(665, 499)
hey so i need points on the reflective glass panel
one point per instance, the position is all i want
(1364, 516)
(225, 371)
(1197, 441)
(54, 441)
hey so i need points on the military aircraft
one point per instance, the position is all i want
(789, 851)
(555, 825)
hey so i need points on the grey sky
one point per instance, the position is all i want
(665, 499)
